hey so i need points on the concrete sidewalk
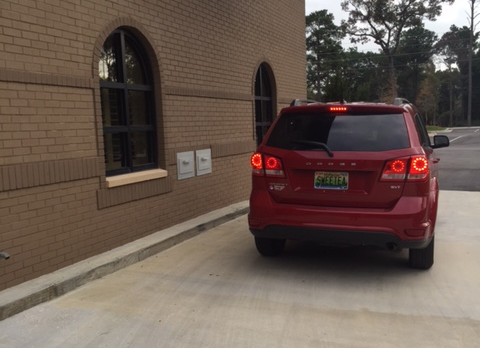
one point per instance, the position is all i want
(29, 294)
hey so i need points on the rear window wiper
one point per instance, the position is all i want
(314, 145)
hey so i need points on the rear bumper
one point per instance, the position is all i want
(340, 238)
(407, 225)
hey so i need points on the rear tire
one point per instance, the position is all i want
(269, 246)
(422, 258)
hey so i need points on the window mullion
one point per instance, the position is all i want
(260, 75)
(126, 107)
(129, 129)
(122, 65)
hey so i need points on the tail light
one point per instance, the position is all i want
(413, 169)
(257, 164)
(418, 169)
(266, 165)
(338, 109)
(395, 170)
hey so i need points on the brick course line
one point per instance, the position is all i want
(31, 174)
(9, 75)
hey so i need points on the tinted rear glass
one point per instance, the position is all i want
(340, 132)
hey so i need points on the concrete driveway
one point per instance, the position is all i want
(214, 290)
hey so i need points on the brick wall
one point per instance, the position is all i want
(55, 207)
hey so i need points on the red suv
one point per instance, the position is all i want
(347, 174)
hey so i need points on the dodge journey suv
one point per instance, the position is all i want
(359, 174)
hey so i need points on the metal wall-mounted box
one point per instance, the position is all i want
(204, 161)
(185, 165)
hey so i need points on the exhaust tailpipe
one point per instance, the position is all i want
(392, 246)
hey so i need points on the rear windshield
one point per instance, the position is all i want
(340, 132)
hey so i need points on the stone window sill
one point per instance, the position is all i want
(132, 178)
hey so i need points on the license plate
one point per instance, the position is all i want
(331, 180)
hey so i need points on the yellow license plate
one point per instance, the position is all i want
(331, 180)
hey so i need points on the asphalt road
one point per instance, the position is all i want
(215, 290)
(460, 162)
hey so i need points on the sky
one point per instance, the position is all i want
(451, 14)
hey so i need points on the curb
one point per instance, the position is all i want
(446, 130)
(45, 288)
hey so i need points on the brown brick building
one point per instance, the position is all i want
(121, 118)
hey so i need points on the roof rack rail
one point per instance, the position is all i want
(337, 102)
(400, 101)
(297, 102)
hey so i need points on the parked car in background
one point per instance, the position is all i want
(347, 174)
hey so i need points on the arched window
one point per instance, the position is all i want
(127, 105)
(263, 103)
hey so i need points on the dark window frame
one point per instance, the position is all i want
(125, 130)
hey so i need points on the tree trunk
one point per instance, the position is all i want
(450, 123)
(470, 57)
(393, 80)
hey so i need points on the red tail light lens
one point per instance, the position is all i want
(414, 169)
(257, 163)
(418, 169)
(273, 166)
(395, 170)
(266, 165)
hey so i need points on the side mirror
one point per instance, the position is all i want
(440, 141)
